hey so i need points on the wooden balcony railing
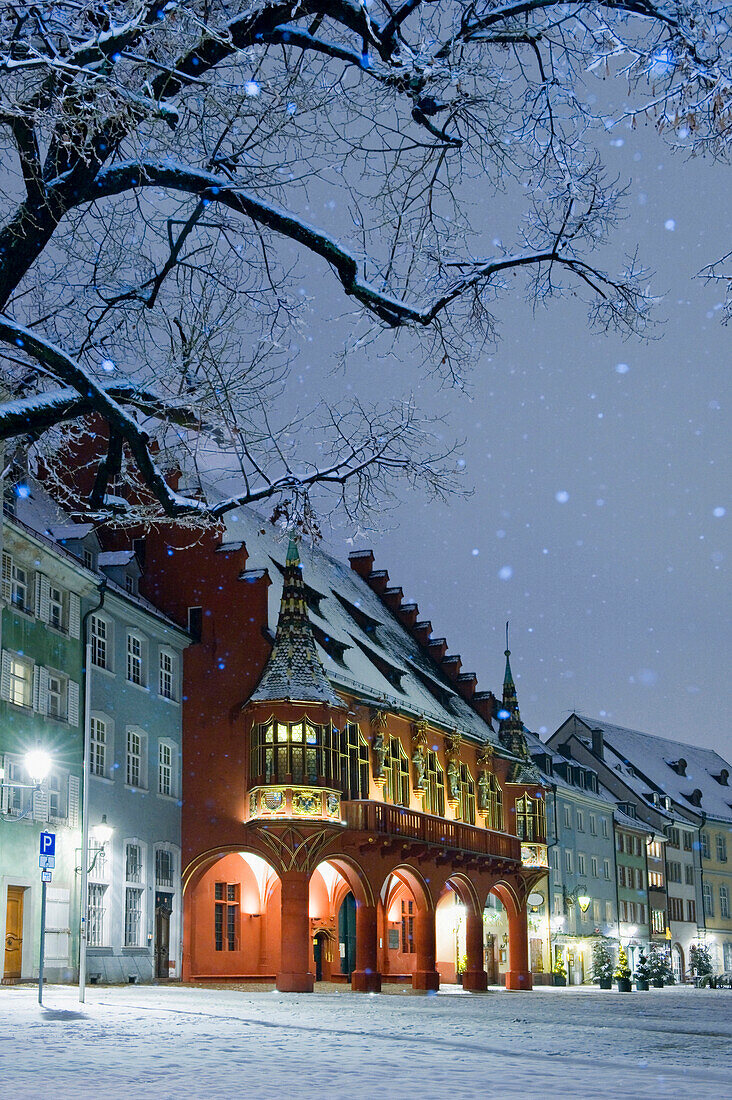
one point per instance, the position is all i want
(396, 821)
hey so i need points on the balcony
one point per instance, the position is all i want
(396, 821)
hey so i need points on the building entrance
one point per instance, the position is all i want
(14, 934)
(319, 946)
(347, 935)
(163, 909)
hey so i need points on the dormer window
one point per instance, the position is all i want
(722, 778)
(130, 584)
(679, 766)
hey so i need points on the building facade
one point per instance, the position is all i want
(349, 805)
(40, 708)
(134, 915)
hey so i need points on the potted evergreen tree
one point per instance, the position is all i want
(622, 972)
(659, 967)
(602, 964)
(559, 974)
(700, 963)
(642, 971)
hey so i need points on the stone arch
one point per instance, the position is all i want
(465, 890)
(513, 894)
(231, 915)
(354, 874)
(200, 864)
(414, 880)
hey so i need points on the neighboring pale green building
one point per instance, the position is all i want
(40, 707)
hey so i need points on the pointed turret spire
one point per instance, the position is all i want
(294, 671)
(511, 729)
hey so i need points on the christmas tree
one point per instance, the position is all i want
(658, 965)
(700, 960)
(602, 962)
(622, 970)
(643, 969)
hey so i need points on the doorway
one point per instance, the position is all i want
(14, 934)
(347, 935)
(319, 948)
(163, 909)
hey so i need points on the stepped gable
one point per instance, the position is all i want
(450, 664)
(294, 671)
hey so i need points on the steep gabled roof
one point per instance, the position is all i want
(654, 763)
(404, 678)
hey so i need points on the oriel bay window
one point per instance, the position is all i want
(530, 818)
(295, 752)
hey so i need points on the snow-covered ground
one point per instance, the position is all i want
(180, 1042)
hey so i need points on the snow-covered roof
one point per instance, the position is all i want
(652, 759)
(71, 531)
(376, 659)
(111, 558)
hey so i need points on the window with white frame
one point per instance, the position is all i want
(724, 902)
(20, 688)
(164, 867)
(567, 860)
(167, 674)
(593, 866)
(98, 746)
(135, 772)
(606, 868)
(580, 821)
(721, 848)
(567, 818)
(57, 696)
(581, 864)
(20, 587)
(593, 825)
(165, 768)
(101, 650)
(596, 911)
(15, 798)
(56, 800)
(135, 660)
(56, 608)
(608, 911)
(96, 912)
(133, 916)
(555, 858)
(134, 893)
(605, 828)
(708, 899)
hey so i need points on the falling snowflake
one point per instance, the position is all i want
(719, 512)
(669, 224)
(505, 573)
(622, 368)
(562, 496)
(251, 88)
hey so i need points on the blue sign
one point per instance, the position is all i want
(47, 863)
(48, 844)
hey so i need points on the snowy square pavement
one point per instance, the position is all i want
(171, 1042)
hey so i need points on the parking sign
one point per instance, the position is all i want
(48, 844)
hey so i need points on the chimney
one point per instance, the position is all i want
(598, 743)
(486, 705)
(422, 631)
(362, 562)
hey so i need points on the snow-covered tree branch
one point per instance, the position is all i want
(161, 164)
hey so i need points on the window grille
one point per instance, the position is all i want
(163, 867)
(133, 916)
(95, 914)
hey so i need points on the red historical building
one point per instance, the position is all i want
(348, 806)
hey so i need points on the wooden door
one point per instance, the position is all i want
(14, 933)
(347, 935)
(162, 935)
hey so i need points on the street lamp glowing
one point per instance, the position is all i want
(103, 832)
(584, 902)
(38, 765)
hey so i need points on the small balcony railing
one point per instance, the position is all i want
(396, 821)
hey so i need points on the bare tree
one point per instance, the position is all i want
(161, 162)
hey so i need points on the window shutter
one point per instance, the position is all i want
(40, 805)
(5, 789)
(5, 675)
(73, 703)
(74, 615)
(43, 596)
(7, 576)
(73, 801)
(40, 689)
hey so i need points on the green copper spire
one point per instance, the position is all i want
(293, 554)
